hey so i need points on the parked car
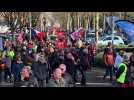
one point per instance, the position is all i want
(131, 44)
(90, 38)
(104, 40)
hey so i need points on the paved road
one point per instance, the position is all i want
(95, 79)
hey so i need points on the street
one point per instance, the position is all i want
(95, 79)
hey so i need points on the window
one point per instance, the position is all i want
(116, 38)
(108, 38)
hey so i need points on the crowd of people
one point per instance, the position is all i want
(35, 63)
(118, 64)
(45, 64)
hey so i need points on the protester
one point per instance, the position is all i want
(7, 60)
(70, 66)
(122, 73)
(92, 53)
(118, 60)
(84, 65)
(16, 68)
(66, 75)
(109, 62)
(56, 80)
(40, 69)
(27, 78)
(2, 70)
(131, 70)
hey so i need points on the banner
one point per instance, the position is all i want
(40, 35)
(77, 34)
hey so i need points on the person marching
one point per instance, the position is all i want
(122, 73)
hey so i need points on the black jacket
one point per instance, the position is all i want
(54, 61)
(84, 61)
(69, 65)
(40, 70)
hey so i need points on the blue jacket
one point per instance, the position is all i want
(16, 69)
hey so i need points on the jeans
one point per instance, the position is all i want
(109, 71)
(2, 75)
(42, 83)
(17, 78)
(92, 61)
(8, 73)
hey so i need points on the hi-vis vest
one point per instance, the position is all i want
(35, 48)
(121, 78)
(10, 54)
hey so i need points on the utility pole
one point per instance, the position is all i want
(125, 15)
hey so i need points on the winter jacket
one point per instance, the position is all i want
(68, 79)
(7, 61)
(84, 61)
(16, 69)
(54, 61)
(70, 66)
(40, 70)
(54, 83)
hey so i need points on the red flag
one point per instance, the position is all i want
(41, 36)
(61, 44)
(60, 34)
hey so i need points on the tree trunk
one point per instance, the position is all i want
(94, 20)
(125, 15)
(78, 19)
(104, 22)
(97, 28)
(30, 24)
(120, 15)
